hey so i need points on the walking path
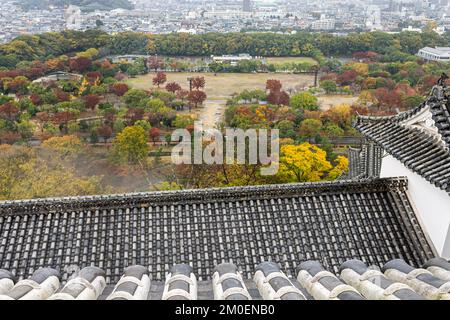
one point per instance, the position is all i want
(212, 113)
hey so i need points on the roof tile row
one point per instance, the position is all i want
(356, 281)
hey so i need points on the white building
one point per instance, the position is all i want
(323, 24)
(373, 18)
(435, 54)
(74, 19)
(412, 29)
(415, 144)
(232, 59)
(227, 14)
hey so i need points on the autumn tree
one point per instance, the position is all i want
(276, 95)
(130, 145)
(43, 118)
(62, 96)
(62, 118)
(9, 137)
(17, 85)
(303, 163)
(155, 63)
(182, 94)
(159, 79)
(105, 132)
(310, 128)
(196, 97)
(273, 85)
(347, 77)
(9, 112)
(198, 83)
(133, 114)
(304, 101)
(119, 89)
(65, 146)
(278, 98)
(91, 101)
(339, 169)
(80, 64)
(154, 134)
(41, 180)
(173, 87)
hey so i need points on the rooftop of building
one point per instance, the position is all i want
(419, 138)
(371, 220)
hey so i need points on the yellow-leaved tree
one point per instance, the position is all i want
(39, 180)
(340, 167)
(65, 146)
(308, 163)
(26, 173)
(130, 146)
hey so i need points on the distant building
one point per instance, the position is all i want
(435, 54)
(373, 18)
(247, 6)
(412, 29)
(233, 60)
(128, 58)
(323, 24)
(73, 18)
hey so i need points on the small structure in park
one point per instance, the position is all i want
(59, 76)
(232, 59)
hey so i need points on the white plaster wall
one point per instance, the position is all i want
(432, 203)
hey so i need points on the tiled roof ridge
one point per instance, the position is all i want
(394, 279)
(435, 99)
(49, 205)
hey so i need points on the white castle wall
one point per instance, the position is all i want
(432, 203)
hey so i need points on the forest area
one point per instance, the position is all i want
(93, 131)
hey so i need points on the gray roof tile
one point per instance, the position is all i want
(421, 151)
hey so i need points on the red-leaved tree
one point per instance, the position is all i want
(62, 118)
(173, 87)
(198, 83)
(197, 97)
(133, 115)
(91, 101)
(105, 132)
(80, 64)
(119, 89)
(8, 112)
(154, 134)
(159, 79)
(155, 63)
(273, 85)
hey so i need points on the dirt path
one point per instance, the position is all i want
(212, 113)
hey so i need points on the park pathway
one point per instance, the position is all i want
(212, 113)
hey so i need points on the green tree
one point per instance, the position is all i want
(130, 145)
(310, 128)
(134, 96)
(329, 86)
(304, 100)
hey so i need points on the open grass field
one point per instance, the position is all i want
(328, 101)
(278, 60)
(223, 85)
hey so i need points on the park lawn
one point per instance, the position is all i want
(223, 85)
(281, 60)
(328, 101)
